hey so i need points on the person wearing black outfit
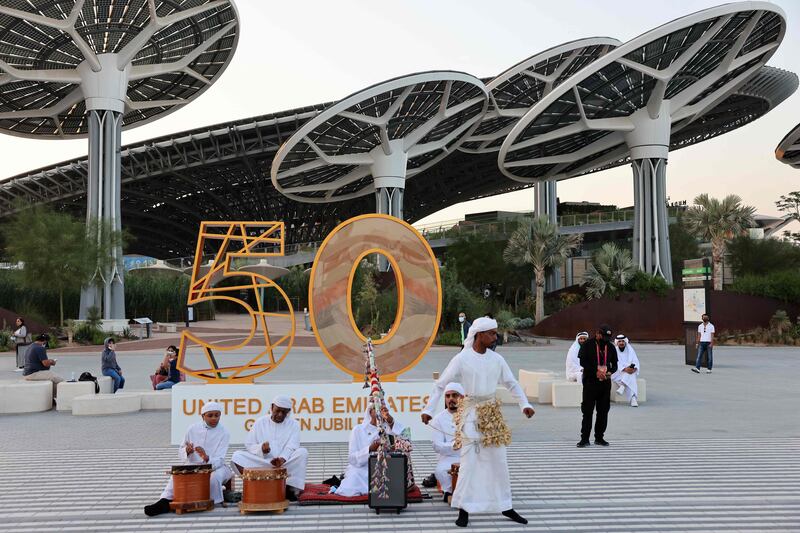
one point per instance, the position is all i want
(598, 357)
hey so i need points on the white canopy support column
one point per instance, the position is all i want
(546, 200)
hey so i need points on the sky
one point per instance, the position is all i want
(292, 54)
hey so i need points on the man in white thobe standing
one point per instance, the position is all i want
(483, 481)
(443, 437)
(627, 370)
(274, 440)
(573, 364)
(205, 442)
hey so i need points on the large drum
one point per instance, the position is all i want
(192, 486)
(264, 490)
(454, 474)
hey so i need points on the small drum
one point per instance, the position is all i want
(264, 490)
(192, 487)
(454, 474)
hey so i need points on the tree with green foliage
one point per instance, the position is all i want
(682, 245)
(538, 243)
(718, 222)
(762, 256)
(55, 248)
(367, 296)
(790, 204)
(612, 269)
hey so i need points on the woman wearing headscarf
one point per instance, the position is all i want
(574, 369)
(205, 442)
(109, 366)
(20, 338)
(627, 370)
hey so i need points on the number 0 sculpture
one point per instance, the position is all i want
(418, 294)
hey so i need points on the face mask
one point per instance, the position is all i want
(461, 319)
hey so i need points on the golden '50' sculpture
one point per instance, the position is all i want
(419, 294)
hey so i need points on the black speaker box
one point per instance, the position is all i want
(397, 497)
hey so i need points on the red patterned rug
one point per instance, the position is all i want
(317, 494)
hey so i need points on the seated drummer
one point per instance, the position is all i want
(275, 441)
(205, 442)
(364, 439)
(444, 433)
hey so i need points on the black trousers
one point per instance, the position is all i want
(596, 395)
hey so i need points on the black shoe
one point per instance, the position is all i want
(583, 443)
(292, 494)
(332, 481)
(601, 442)
(463, 518)
(446, 495)
(429, 482)
(513, 515)
(160, 507)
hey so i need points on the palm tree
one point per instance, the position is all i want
(611, 269)
(538, 243)
(718, 222)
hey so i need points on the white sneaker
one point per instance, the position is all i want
(695, 370)
(621, 390)
(708, 371)
(634, 403)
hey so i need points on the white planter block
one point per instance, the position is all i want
(107, 404)
(160, 400)
(69, 390)
(567, 394)
(18, 396)
(546, 391)
(641, 395)
(529, 380)
(106, 384)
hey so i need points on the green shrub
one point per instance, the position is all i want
(449, 338)
(457, 298)
(762, 256)
(525, 323)
(645, 283)
(5, 340)
(784, 285)
(505, 320)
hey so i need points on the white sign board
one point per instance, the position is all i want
(327, 412)
(694, 304)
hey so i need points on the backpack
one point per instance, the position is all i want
(87, 376)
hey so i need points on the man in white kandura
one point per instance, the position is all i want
(445, 431)
(574, 369)
(274, 440)
(483, 481)
(205, 442)
(627, 370)
(364, 439)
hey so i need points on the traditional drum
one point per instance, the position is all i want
(192, 486)
(264, 490)
(454, 474)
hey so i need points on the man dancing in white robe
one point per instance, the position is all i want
(574, 369)
(364, 440)
(275, 441)
(483, 481)
(443, 436)
(628, 370)
(205, 442)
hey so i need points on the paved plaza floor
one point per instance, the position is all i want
(711, 452)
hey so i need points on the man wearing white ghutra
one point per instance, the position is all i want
(483, 480)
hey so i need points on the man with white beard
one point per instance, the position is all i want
(443, 438)
(483, 480)
(574, 369)
(628, 370)
(275, 441)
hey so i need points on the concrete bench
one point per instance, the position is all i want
(545, 391)
(567, 393)
(69, 390)
(19, 396)
(107, 404)
(106, 384)
(641, 395)
(529, 380)
(156, 400)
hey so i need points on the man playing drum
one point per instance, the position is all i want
(205, 442)
(275, 441)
